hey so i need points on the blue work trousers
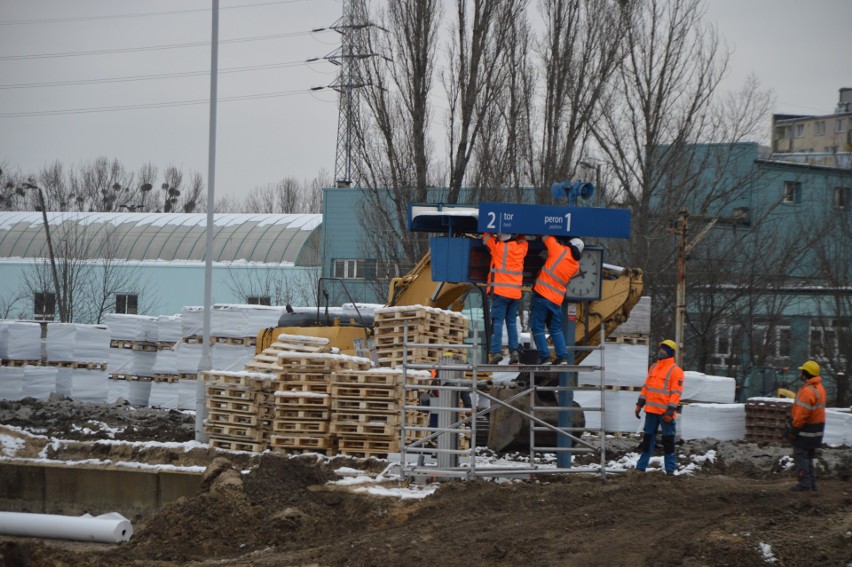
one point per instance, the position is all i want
(540, 309)
(652, 422)
(503, 310)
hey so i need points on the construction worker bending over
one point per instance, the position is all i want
(807, 424)
(660, 397)
(551, 285)
(505, 279)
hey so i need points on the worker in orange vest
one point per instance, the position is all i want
(505, 279)
(807, 424)
(660, 398)
(551, 285)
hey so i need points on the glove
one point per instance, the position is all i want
(668, 417)
(638, 409)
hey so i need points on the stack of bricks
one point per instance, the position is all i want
(239, 410)
(425, 325)
(766, 419)
(303, 399)
(367, 409)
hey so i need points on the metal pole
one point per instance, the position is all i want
(205, 362)
(680, 299)
(566, 397)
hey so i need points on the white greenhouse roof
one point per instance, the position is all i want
(267, 238)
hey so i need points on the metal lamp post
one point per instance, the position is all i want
(56, 288)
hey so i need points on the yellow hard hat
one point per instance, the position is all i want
(670, 343)
(810, 367)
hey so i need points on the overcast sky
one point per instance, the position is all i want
(270, 124)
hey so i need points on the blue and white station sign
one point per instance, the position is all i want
(553, 219)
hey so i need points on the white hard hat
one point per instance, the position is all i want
(578, 244)
(503, 237)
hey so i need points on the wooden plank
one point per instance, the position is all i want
(373, 392)
(369, 377)
(243, 419)
(252, 434)
(133, 345)
(367, 444)
(226, 405)
(303, 387)
(288, 400)
(367, 429)
(365, 405)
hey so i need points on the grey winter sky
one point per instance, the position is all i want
(56, 55)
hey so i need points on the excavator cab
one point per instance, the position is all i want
(765, 381)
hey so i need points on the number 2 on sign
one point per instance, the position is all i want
(491, 218)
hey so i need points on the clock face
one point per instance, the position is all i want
(587, 283)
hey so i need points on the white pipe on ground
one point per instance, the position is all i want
(106, 528)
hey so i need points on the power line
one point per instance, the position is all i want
(151, 105)
(138, 15)
(151, 77)
(149, 48)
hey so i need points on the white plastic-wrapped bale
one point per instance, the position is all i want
(724, 422)
(231, 357)
(619, 406)
(39, 381)
(187, 394)
(59, 343)
(626, 365)
(188, 357)
(20, 340)
(838, 427)
(92, 343)
(118, 389)
(139, 392)
(192, 321)
(89, 385)
(164, 395)
(11, 382)
(169, 328)
(166, 361)
(698, 387)
(124, 327)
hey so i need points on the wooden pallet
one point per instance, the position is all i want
(300, 442)
(238, 445)
(76, 364)
(343, 429)
(299, 427)
(293, 414)
(372, 392)
(165, 378)
(307, 387)
(365, 405)
(141, 346)
(241, 419)
(367, 377)
(260, 409)
(346, 444)
(253, 381)
(236, 341)
(239, 432)
(166, 345)
(231, 392)
(131, 378)
(301, 400)
(16, 363)
(293, 377)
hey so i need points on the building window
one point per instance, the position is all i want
(841, 197)
(259, 300)
(800, 130)
(44, 306)
(126, 303)
(819, 128)
(784, 341)
(792, 192)
(355, 269)
(840, 125)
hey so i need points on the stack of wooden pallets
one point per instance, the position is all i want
(239, 409)
(766, 419)
(303, 399)
(395, 326)
(367, 409)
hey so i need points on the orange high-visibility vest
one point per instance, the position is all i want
(808, 412)
(558, 269)
(507, 266)
(663, 387)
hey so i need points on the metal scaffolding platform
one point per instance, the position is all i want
(451, 444)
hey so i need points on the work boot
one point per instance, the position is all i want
(495, 358)
(514, 357)
(545, 361)
(559, 360)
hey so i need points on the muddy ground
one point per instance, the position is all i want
(735, 510)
